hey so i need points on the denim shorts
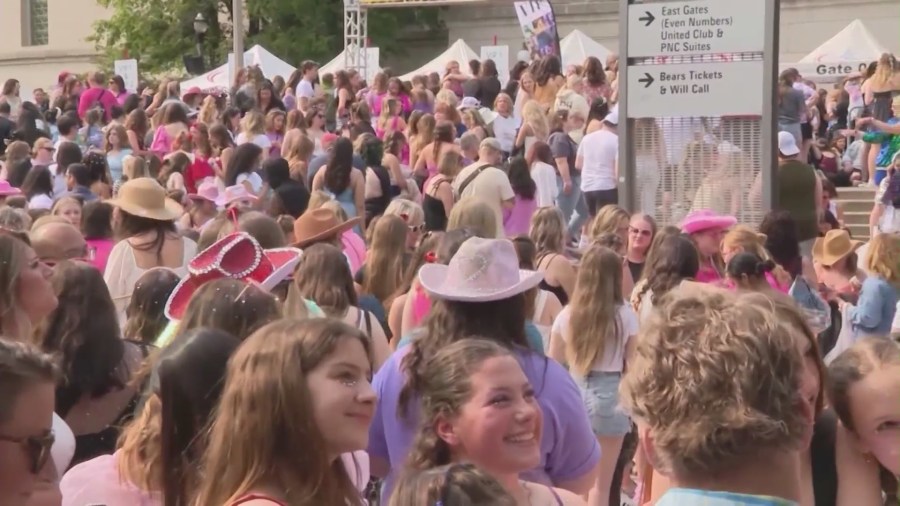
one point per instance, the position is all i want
(600, 394)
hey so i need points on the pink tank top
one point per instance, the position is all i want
(421, 306)
(162, 143)
(708, 275)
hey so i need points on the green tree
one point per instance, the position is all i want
(159, 32)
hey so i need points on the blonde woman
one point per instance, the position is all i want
(253, 130)
(439, 198)
(412, 213)
(613, 220)
(506, 123)
(525, 93)
(298, 150)
(548, 231)
(209, 112)
(535, 126)
(873, 314)
(475, 215)
(594, 337)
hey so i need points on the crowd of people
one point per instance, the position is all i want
(321, 291)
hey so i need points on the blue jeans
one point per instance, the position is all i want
(574, 209)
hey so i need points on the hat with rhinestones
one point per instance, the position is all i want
(235, 256)
(483, 270)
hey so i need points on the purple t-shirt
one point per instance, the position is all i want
(568, 447)
(517, 220)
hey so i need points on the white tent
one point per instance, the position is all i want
(851, 50)
(577, 46)
(459, 52)
(220, 78)
(373, 63)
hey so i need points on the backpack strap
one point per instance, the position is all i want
(465, 184)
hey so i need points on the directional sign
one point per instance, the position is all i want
(696, 27)
(695, 89)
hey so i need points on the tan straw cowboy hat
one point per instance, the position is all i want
(145, 198)
(834, 247)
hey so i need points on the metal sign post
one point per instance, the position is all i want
(698, 97)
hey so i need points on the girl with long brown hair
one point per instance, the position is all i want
(426, 252)
(95, 396)
(548, 231)
(594, 336)
(323, 276)
(382, 273)
(466, 418)
(157, 456)
(431, 154)
(295, 387)
(420, 134)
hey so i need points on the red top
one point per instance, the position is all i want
(102, 95)
(197, 171)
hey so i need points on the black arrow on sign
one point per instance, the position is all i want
(647, 80)
(647, 19)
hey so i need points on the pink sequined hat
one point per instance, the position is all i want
(483, 270)
(235, 256)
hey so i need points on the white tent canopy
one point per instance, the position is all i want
(373, 65)
(851, 50)
(577, 46)
(459, 52)
(220, 78)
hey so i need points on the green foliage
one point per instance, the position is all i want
(159, 32)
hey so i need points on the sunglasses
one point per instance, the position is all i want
(642, 233)
(37, 447)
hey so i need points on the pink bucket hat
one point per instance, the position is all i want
(233, 194)
(705, 219)
(208, 191)
(7, 190)
(483, 270)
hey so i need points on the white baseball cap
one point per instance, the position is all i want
(613, 117)
(787, 144)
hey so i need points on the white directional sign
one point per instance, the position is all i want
(695, 89)
(695, 27)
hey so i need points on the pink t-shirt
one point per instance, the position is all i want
(101, 249)
(354, 249)
(98, 481)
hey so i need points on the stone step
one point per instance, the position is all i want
(858, 206)
(858, 231)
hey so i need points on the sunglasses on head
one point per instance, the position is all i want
(37, 448)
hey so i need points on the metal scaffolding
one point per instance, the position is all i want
(356, 37)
